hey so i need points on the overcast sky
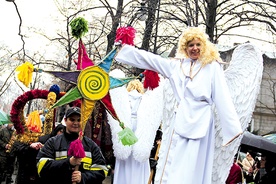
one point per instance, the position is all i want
(39, 13)
(34, 13)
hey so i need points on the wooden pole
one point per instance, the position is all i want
(76, 169)
(155, 158)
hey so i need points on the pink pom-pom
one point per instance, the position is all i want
(76, 149)
(126, 35)
(151, 79)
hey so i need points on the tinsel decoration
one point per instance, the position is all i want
(13, 138)
(79, 27)
(125, 35)
(28, 137)
(54, 92)
(49, 117)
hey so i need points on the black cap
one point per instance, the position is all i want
(72, 110)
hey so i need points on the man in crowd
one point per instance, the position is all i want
(55, 166)
(6, 158)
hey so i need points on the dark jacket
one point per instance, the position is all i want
(7, 158)
(54, 166)
(5, 136)
(27, 172)
(269, 177)
(26, 158)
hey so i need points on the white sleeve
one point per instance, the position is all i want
(229, 120)
(145, 60)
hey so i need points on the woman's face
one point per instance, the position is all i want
(193, 49)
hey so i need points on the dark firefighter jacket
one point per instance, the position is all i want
(54, 166)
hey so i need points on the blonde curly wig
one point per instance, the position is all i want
(135, 85)
(208, 51)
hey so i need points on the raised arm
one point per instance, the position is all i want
(145, 60)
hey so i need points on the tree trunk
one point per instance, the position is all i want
(211, 13)
(115, 23)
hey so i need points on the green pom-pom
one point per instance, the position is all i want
(79, 27)
(127, 137)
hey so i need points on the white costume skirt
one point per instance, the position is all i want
(130, 171)
(190, 161)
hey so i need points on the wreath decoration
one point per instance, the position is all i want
(17, 114)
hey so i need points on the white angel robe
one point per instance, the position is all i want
(130, 170)
(142, 114)
(196, 89)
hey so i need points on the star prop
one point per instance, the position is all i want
(93, 84)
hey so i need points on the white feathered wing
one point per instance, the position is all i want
(243, 76)
(167, 128)
(149, 116)
(119, 99)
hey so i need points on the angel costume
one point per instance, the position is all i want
(142, 113)
(196, 88)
